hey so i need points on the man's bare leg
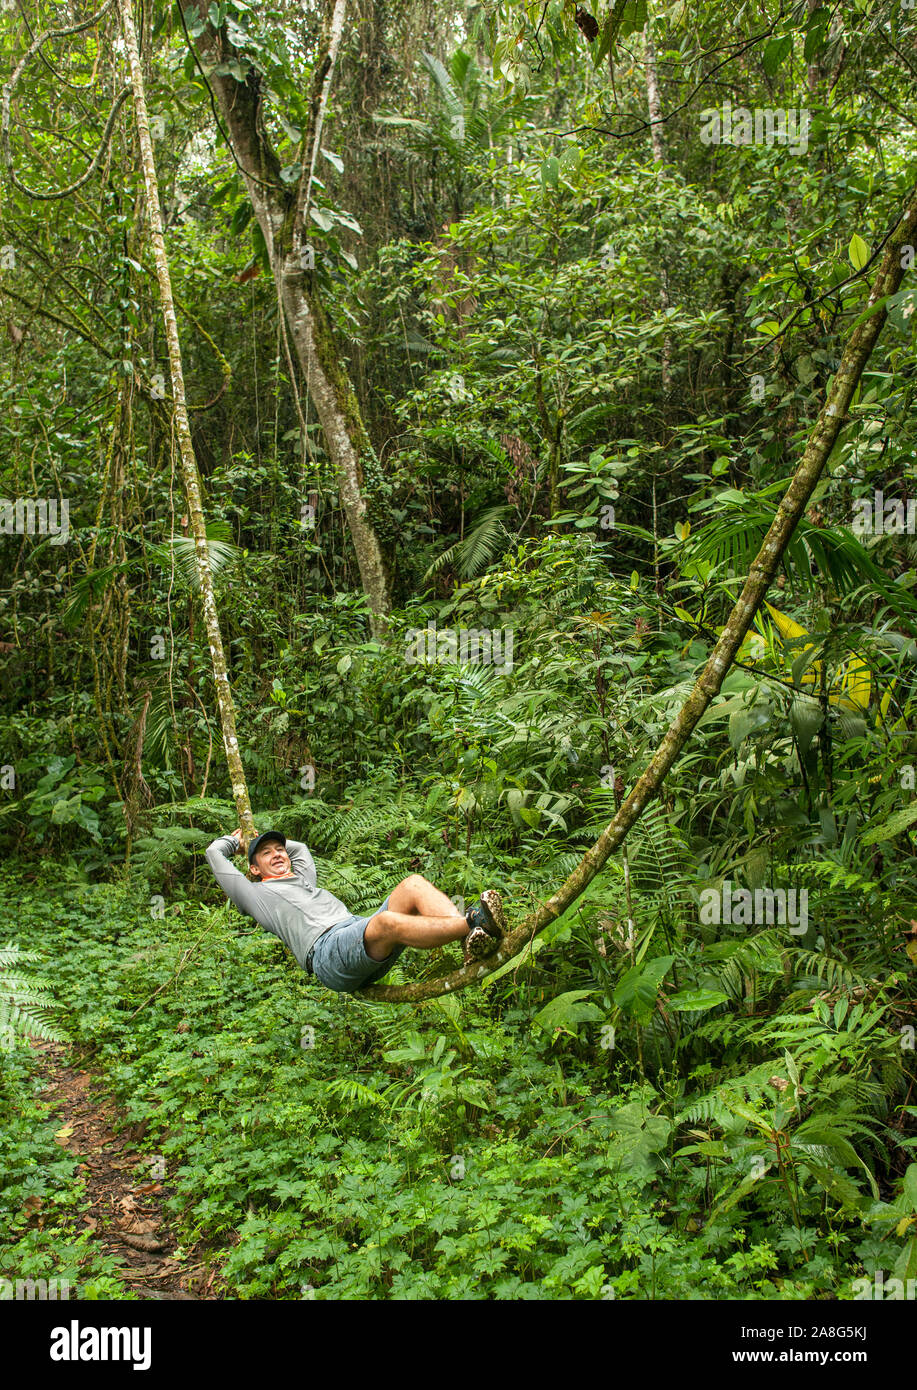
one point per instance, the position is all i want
(388, 929)
(418, 914)
(417, 894)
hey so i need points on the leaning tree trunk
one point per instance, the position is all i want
(190, 474)
(282, 218)
(763, 571)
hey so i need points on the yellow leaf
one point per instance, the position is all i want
(784, 625)
(791, 631)
(855, 686)
(852, 687)
(62, 1136)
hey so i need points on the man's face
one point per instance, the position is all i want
(271, 861)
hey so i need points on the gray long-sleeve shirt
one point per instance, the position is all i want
(294, 909)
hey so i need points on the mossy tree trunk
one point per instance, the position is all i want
(282, 215)
(190, 473)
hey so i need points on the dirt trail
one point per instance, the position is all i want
(123, 1184)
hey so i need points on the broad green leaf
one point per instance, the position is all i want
(241, 217)
(636, 1137)
(775, 52)
(837, 1185)
(892, 827)
(550, 171)
(567, 1011)
(637, 990)
(910, 1185)
(806, 718)
(905, 1266)
(695, 1000)
(816, 32)
(750, 1116)
(858, 252)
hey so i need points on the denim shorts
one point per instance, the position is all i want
(340, 960)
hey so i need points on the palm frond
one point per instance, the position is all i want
(181, 551)
(479, 548)
(733, 537)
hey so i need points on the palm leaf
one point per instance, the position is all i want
(181, 552)
(480, 547)
(735, 535)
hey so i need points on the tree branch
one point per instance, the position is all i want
(10, 87)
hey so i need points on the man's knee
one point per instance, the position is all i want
(415, 881)
(379, 935)
(380, 927)
(408, 894)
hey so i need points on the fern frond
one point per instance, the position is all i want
(827, 970)
(352, 1092)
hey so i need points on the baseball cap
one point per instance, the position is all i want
(256, 844)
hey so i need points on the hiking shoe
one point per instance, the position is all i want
(487, 922)
(478, 944)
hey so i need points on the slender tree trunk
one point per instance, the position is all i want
(655, 114)
(190, 474)
(652, 94)
(824, 434)
(281, 216)
(813, 69)
(658, 143)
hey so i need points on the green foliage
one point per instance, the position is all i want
(585, 372)
(27, 1003)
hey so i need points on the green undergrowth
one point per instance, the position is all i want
(325, 1147)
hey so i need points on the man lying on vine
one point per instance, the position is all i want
(346, 952)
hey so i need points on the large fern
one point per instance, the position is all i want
(26, 1000)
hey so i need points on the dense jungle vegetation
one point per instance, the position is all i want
(510, 320)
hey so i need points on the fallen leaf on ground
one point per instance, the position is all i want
(142, 1242)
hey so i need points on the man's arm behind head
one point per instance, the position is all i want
(245, 895)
